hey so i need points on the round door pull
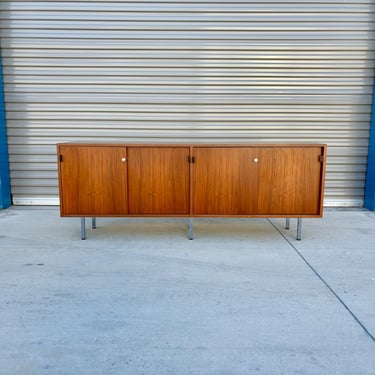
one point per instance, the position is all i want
(123, 159)
(255, 160)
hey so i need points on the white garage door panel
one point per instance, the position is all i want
(197, 71)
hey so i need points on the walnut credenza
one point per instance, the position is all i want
(199, 180)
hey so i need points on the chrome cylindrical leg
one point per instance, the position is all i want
(93, 223)
(83, 228)
(191, 229)
(287, 223)
(299, 229)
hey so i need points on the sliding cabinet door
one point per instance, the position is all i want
(225, 181)
(290, 180)
(93, 180)
(159, 180)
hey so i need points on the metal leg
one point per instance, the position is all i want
(93, 223)
(299, 229)
(287, 223)
(83, 228)
(191, 229)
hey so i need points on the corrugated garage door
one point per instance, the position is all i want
(192, 71)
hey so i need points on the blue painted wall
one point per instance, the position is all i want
(5, 200)
(370, 181)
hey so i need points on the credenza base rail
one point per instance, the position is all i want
(191, 236)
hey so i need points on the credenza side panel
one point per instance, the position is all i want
(290, 180)
(159, 180)
(93, 180)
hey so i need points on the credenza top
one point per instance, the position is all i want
(134, 144)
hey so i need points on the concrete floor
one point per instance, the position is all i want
(137, 297)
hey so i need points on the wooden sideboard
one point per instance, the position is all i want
(199, 180)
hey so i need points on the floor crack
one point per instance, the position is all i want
(372, 337)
